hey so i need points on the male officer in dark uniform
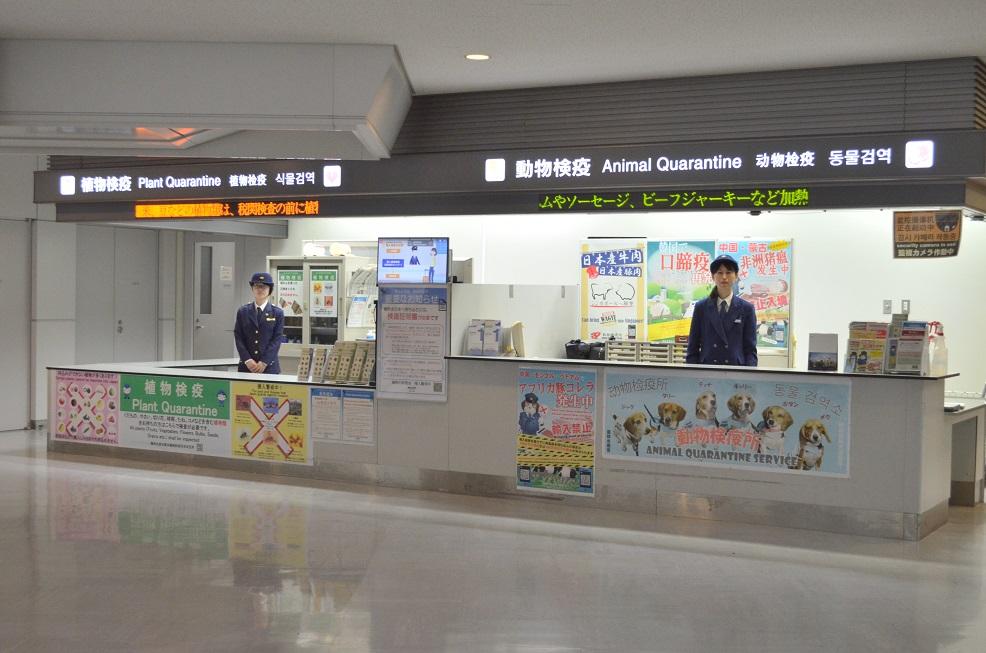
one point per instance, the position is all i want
(259, 329)
(724, 327)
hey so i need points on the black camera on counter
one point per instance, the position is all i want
(585, 350)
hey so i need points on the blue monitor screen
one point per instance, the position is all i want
(412, 260)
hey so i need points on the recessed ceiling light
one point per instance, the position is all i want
(478, 57)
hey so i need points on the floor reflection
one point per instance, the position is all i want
(109, 556)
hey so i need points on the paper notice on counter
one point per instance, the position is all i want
(358, 315)
(326, 414)
(357, 417)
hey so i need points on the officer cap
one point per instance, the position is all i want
(724, 259)
(262, 277)
(530, 398)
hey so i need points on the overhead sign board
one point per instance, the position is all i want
(751, 163)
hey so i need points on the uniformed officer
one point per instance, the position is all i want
(259, 329)
(724, 327)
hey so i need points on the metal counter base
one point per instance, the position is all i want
(850, 521)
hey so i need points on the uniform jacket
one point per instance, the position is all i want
(259, 340)
(713, 341)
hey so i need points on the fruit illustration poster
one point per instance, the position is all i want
(86, 407)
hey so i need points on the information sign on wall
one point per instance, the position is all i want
(288, 292)
(412, 342)
(927, 234)
(323, 295)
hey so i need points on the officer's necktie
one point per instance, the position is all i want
(722, 311)
(260, 315)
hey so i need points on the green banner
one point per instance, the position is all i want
(175, 395)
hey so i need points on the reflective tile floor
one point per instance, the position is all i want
(129, 557)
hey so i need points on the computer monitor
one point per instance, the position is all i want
(412, 260)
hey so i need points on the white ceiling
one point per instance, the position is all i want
(541, 42)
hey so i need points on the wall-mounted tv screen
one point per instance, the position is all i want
(412, 260)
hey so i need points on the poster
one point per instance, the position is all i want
(556, 430)
(326, 411)
(288, 292)
(176, 414)
(764, 281)
(270, 422)
(927, 234)
(357, 417)
(86, 407)
(412, 341)
(612, 290)
(324, 300)
(677, 277)
(771, 425)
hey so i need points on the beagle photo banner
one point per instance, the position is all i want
(556, 430)
(776, 425)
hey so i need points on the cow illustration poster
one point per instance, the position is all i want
(612, 298)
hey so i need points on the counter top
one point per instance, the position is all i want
(187, 369)
(720, 368)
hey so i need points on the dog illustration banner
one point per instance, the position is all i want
(556, 430)
(776, 425)
(612, 298)
(764, 281)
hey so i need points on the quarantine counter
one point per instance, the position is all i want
(845, 453)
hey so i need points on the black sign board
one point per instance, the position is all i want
(745, 165)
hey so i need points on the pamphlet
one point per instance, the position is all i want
(318, 365)
(474, 338)
(359, 357)
(908, 353)
(358, 311)
(823, 352)
(304, 363)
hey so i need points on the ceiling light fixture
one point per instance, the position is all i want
(478, 57)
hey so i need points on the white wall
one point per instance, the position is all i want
(843, 263)
(17, 210)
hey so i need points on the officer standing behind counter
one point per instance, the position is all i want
(259, 329)
(724, 327)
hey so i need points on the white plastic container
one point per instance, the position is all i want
(938, 350)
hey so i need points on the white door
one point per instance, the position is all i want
(135, 295)
(214, 298)
(15, 288)
(95, 304)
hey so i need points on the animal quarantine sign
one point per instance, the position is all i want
(782, 426)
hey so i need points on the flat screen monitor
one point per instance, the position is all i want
(412, 260)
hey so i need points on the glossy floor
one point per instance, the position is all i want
(125, 557)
